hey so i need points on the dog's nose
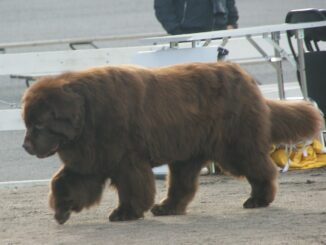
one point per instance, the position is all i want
(28, 146)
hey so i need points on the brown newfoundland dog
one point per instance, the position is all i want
(118, 122)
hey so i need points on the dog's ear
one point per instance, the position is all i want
(67, 108)
(66, 105)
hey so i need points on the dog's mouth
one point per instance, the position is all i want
(51, 152)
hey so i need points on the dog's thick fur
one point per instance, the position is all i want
(117, 122)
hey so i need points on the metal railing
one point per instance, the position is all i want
(77, 41)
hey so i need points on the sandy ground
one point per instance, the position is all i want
(216, 216)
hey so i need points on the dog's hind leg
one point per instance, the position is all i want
(262, 178)
(182, 186)
(259, 170)
(246, 153)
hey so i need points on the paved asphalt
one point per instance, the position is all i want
(22, 20)
(31, 20)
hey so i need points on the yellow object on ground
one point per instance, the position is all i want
(300, 156)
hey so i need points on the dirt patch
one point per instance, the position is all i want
(216, 216)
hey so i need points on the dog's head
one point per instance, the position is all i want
(53, 114)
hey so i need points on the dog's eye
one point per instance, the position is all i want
(39, 126)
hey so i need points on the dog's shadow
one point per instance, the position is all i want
(157, 229)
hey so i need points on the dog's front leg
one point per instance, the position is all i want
(71, 192)
(136, 189)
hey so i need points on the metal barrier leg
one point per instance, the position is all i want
(278, 65)
(301, 63)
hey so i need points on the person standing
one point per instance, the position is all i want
(191, 16)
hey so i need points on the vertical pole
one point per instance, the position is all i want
(195, 44)
(278, 65)
(301, 67)
(173, 45)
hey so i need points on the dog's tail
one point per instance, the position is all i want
(294, 121)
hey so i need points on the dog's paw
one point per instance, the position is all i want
(62, 217)
(164, 209)
(255, 203)
(121, 214)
